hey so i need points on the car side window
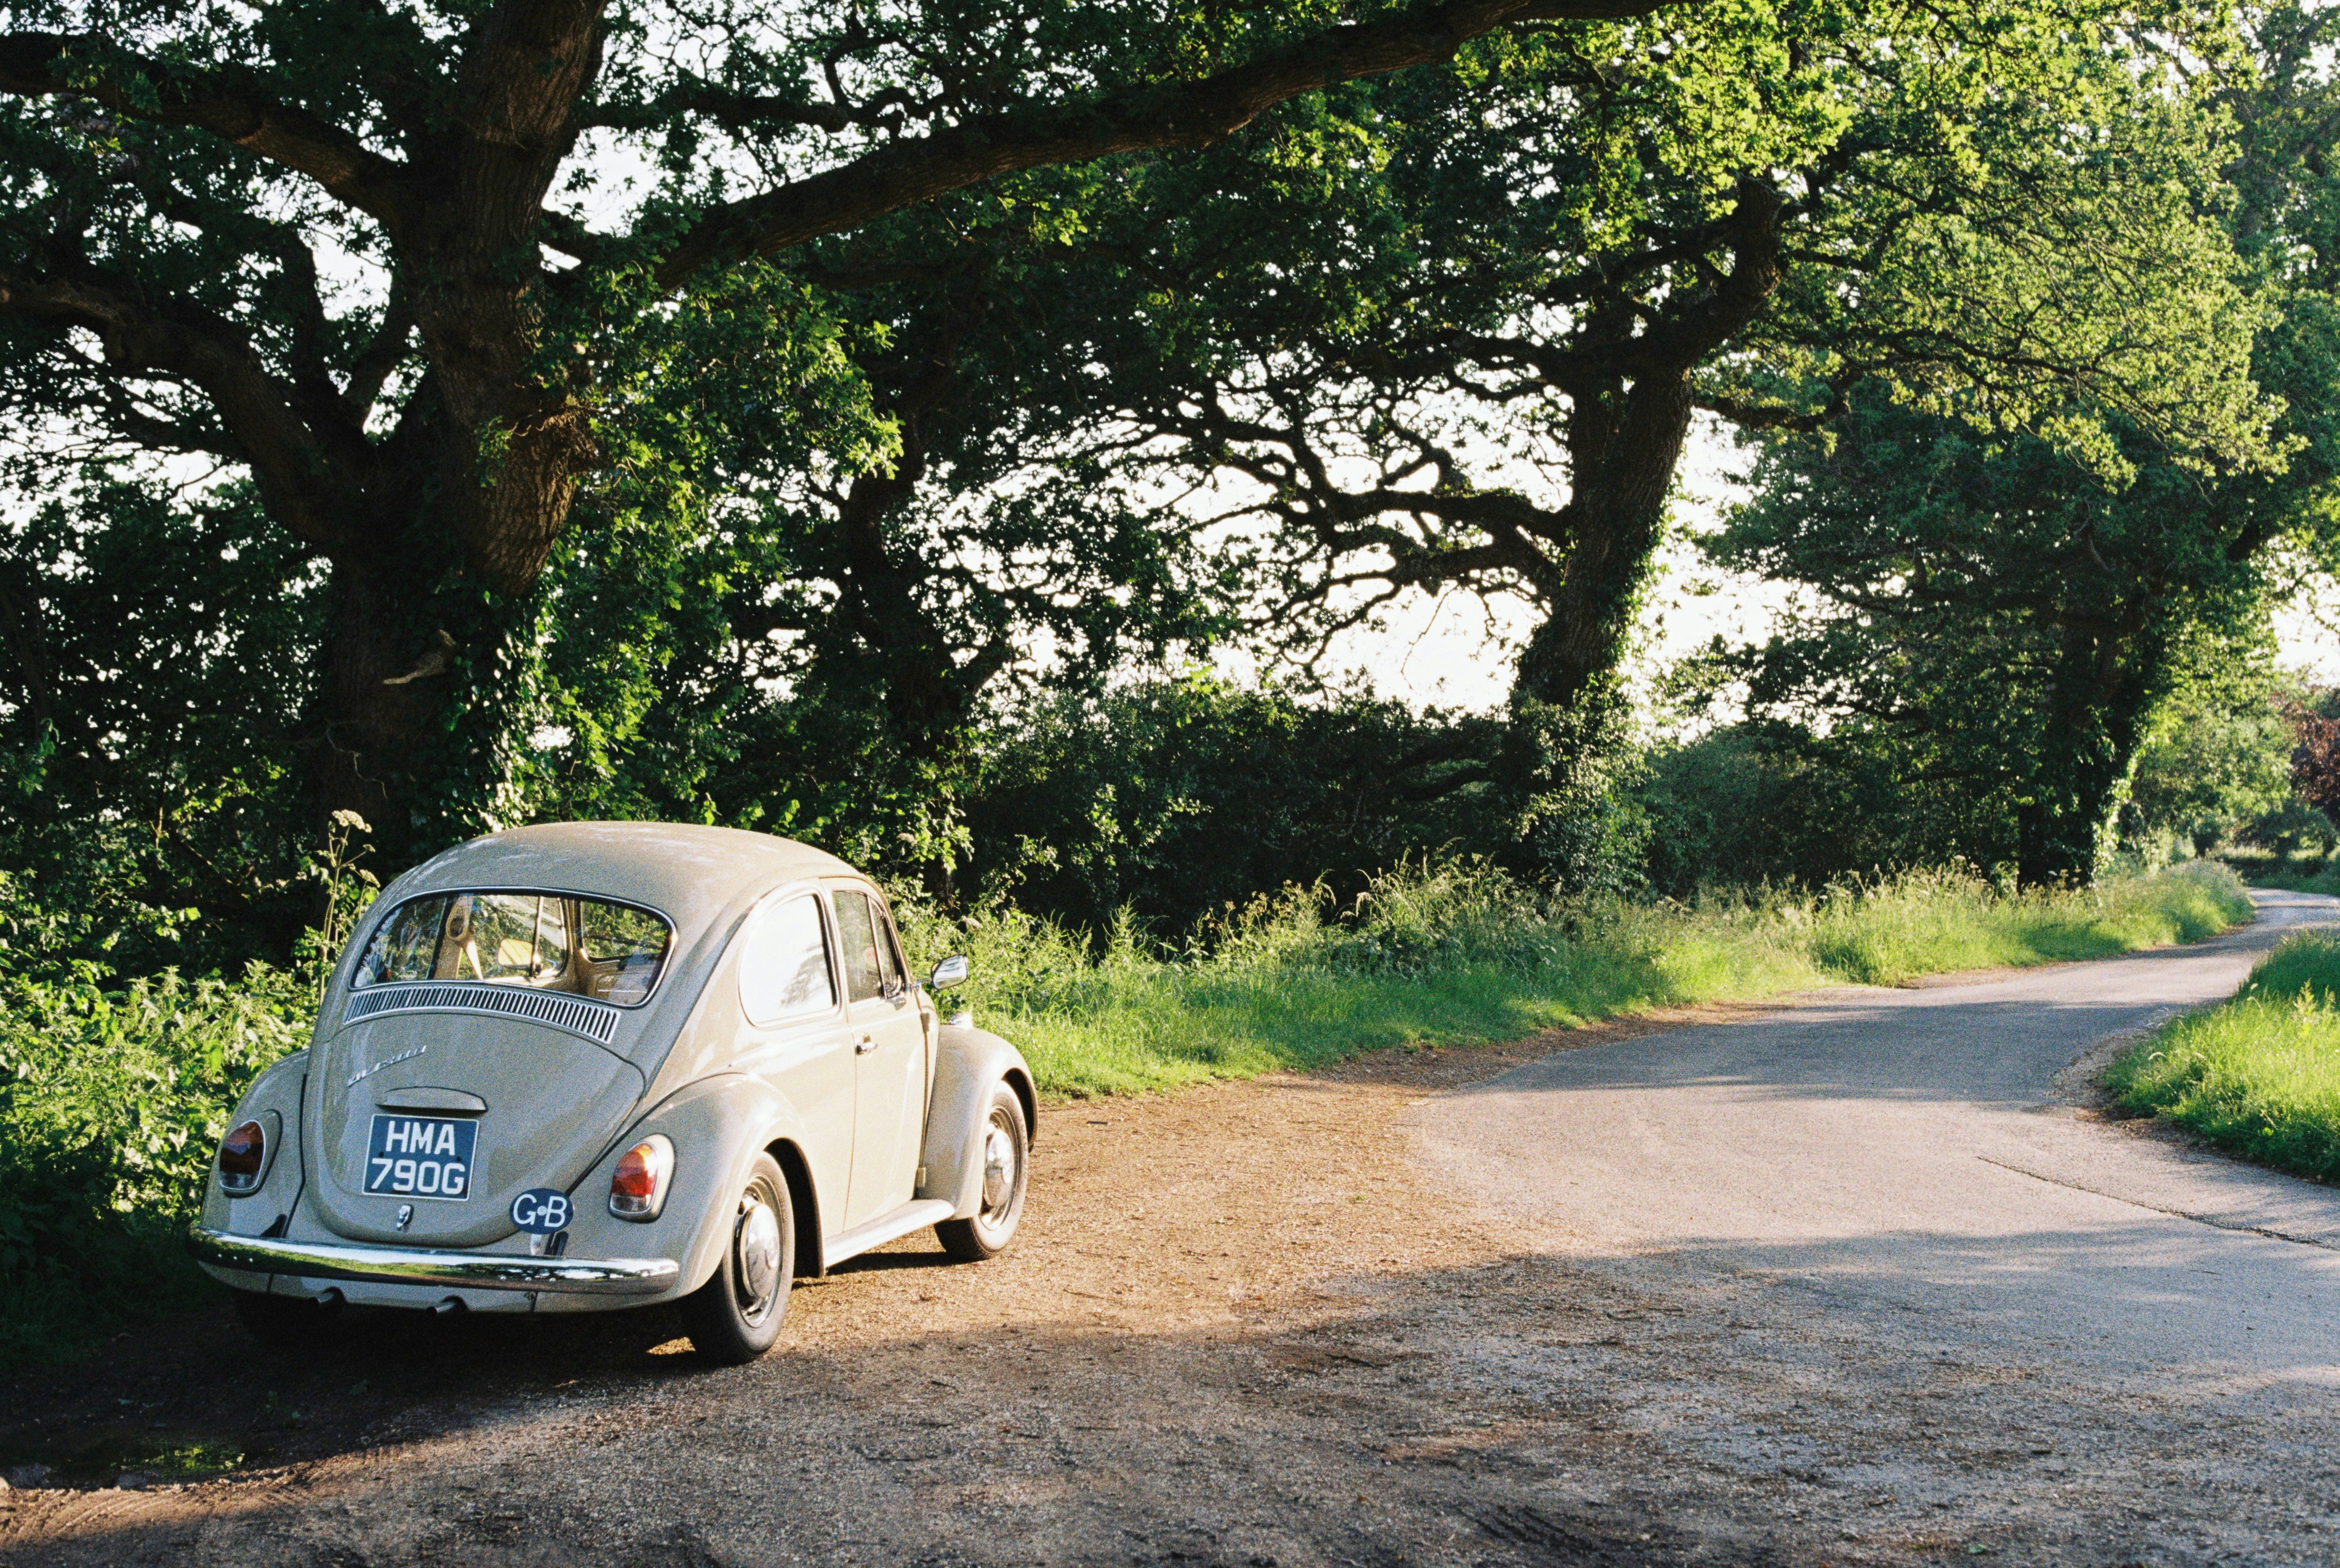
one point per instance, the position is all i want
(890, 948)
(784, 972)
(856, 933)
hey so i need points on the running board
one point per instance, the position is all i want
(919, 1212)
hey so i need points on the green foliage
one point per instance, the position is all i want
(1928, 762)
(2218, 758)
(1572, 767)
(1171, 802)
(1989, 616)
(2055, 623)
(1415, 329)
(152, 705)
(2259, 1075)
(1772, 801)
(112, 1098)
(2293, 828)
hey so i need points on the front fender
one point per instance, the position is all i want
(967, 1063)
(718, 1125)
(274, 1100)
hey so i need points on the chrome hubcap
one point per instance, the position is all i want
(999, 1165)
(1003, 1178)
(756, 1247)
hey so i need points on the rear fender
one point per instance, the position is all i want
(275, 1101)
(967, 1064)
(719, 1126)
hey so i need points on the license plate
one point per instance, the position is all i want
(421, 1156)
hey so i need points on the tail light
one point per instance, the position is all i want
(637, 1186)
(242, 1157)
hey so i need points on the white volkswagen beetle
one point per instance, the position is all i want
(604, 1064)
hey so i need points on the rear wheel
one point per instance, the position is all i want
(1007, 1158)
(736, 1315)
(285, 1322)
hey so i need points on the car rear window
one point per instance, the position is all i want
(549, 941)
(783, 968)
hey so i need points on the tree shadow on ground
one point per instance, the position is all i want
(1732, 1405)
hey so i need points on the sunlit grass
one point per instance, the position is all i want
(1454, 955)
(2259, 1075)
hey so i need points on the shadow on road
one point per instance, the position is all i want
(1723, 1406)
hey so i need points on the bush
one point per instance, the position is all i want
(1768, 801)
(112, 1100)
(1179, 800)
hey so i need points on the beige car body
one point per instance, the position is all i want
(874, 1110)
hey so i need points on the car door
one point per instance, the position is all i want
(788, 992)
(889, 1064)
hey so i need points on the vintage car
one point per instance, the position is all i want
(604, 1064)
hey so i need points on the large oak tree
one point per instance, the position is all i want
(1994, 615)
(403, 261)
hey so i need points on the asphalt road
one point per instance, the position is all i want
(1903, 1180)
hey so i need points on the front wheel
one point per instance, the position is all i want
(1006, 1159)
(736, 1315)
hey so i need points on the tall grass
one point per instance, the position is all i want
(1457, 953)
(2259, 1075)
(114, 1095)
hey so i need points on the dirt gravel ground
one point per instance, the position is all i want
(1241, 1327)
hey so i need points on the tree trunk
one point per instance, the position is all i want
(2104, 685)
(1569, 753)
(1627, 446)
(407, 725)
(1572, 753)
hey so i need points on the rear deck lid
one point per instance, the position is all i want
(402, 1086)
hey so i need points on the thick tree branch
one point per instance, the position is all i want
(558, 230)
(1749, 414)
(375, 363)
(187, 346)
(86, 67)
(1182, 115)
(889, 110)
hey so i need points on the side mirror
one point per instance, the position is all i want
(948, 974)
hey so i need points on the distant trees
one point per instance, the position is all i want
(2011, 614)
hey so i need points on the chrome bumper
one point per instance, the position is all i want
(423, 1265)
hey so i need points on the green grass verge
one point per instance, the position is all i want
(2258, 1075)
(1456, 955)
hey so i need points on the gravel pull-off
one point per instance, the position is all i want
(1847, 1283)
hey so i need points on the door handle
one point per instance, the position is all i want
(867, 1046)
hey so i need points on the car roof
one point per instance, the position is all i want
(689, 874)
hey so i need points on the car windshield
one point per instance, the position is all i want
(550, 941)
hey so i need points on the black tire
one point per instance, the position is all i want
(285, 1322)
(736, 1315)
(1006, 1174)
